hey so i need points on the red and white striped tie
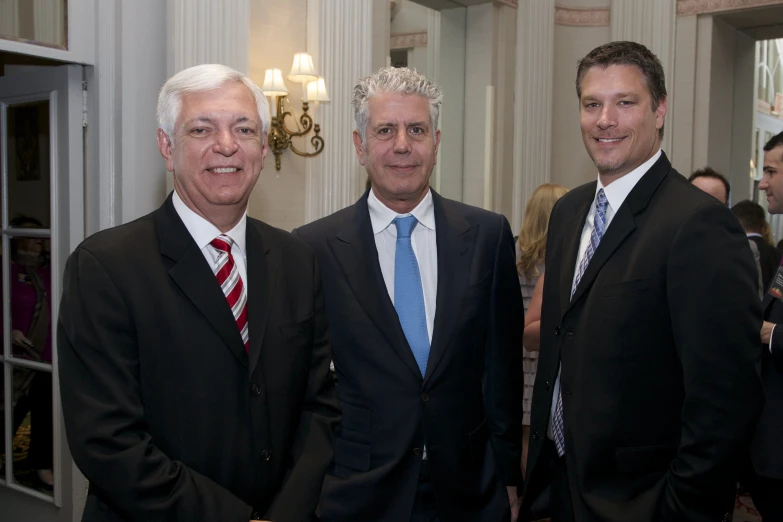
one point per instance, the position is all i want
(230, 282)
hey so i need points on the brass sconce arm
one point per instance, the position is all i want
(280, 136)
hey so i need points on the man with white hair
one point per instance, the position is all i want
(193, 346)
(425, 315)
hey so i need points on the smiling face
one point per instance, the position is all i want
(400, 149)
(217, 152)
(619, 124)
(772, 180)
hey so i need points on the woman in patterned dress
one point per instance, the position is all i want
(531, 249)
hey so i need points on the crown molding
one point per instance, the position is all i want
(582, 16)
(697, 7)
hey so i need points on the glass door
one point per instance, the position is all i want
(41, 189)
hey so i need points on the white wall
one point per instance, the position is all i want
(571, 166)
(277, 32)
(452, 119)
(478, 76)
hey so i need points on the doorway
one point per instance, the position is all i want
(42, 220)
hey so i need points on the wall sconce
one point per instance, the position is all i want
(280, 136)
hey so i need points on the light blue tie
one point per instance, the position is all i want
(599, 226)
(408, 293)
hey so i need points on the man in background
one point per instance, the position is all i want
(713, 183)
(753, 220)
(765, 478)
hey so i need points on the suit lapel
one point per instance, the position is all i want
(573, 236)
(263, 264)
(192, 274)
(455, 244)
(622, 225)
(355, 251)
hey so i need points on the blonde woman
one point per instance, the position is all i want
(531, 250)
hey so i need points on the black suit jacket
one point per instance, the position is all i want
(659, 351)
(165, 412)
(769, 258)
(766, 451)
(467, 409)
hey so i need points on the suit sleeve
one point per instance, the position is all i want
(503, 377)
(716, 318)
(104, 413)
(313, 447)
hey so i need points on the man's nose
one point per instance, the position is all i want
(226, 143)
(401, 143)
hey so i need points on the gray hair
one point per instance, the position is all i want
(201, 78)
(394, 80)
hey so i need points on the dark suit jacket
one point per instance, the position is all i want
(660, 355)
(767, 448)
(165, 412)
(769, 258)
(468, 407)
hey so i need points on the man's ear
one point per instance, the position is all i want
(165, 146)
(357, 142)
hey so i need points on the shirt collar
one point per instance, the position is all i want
(382, 216)
(754, 234)
(619, 189)
(203, 232)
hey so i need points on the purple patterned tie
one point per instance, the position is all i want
(599, 226)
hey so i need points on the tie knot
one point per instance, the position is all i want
(405, 225)
(222, 243)
(601, 203)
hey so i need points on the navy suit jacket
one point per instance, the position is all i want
(467, 408)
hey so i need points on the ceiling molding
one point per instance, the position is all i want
(697, 7)
(582, 16)
(408, 40)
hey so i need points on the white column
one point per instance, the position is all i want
(48, 21)
(533, 107)
(9, 17)
(206, 31)
(653, 25)
(340, 38)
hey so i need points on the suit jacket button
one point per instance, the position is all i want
(425, 397)
(546, 385)
(266, 455)
(256, 389)
(417, 451)
(558, 330)
(535, 435)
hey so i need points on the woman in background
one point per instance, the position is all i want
(531, 250)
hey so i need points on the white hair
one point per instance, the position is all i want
(394, 80)
(201, 78)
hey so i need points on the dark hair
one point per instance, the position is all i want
(21, 219)
(708, 172)
(627, 53)
(750, 215)
(774, 141)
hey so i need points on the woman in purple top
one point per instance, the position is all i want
(31, 338)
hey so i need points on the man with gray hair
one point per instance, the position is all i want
(193, 346)
(426, 317)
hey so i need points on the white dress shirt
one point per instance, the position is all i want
(202, 232)
(615, 193)
(424, 247)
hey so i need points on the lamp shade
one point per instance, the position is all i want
(316, 91)
(302, 70)
(273, 83)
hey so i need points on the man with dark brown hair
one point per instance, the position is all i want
(648, 381)
(713, 183)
